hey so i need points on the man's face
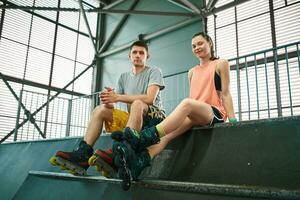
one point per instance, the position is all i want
(200, 47)
(138, 56)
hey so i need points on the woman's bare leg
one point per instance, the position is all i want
(157, 148)
(198, 112)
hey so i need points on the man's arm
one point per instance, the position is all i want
(148, 98)
(223, 67)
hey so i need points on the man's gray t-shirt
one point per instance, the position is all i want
(135, 84)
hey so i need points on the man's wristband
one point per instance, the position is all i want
(232, 120)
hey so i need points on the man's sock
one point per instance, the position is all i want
(160, 130)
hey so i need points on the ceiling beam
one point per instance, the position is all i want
(175, 2)
(113, 4)
(103, 2)
(100, 10)
(117, 28)
(144, 12)
(224, 7)
(87, 26)
(150, 36)
(191, 6)
(211, 4)
(173, 27)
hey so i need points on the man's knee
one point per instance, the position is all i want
(138, 104)
(102, 111)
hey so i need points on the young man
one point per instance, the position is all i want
(140, 89)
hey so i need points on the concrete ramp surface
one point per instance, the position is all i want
(247, 160)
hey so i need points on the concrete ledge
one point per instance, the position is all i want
(187, 187)
(248, 122)
(263, 153)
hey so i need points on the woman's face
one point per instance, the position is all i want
(201, 47)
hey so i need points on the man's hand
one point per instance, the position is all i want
(107, 105)
(108, 97)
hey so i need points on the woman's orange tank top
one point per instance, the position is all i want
(202, 86)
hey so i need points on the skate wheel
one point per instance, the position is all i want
(92, 160)
(53, 160)
(126, 184)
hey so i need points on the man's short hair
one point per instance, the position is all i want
(140, 43)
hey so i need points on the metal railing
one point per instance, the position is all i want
(65, 117)
(266, 84)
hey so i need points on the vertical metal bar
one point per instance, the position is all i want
(77, 115)
(52, 114)
(96, 96)
(98, 69)
(18, 115)
(277, 83)
(2, 19)
(30, 107)
(61, 111)
(81, 112)
(90, 106)
(62, 115)
(289, 81)
(41, 113)
(51, 68)
(86, 114)
(35, 103)
(204, 24)
(248, 92)
(256, 82)
(24, 116)
(215, 32)
(276, 70)
(70, 103)
(298, 56)
(56, 119)
(267, 84)
(238, 75)
(238, 85)
(272, 23)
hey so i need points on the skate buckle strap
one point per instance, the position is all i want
(136, 133)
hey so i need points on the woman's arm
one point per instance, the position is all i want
(190, 74)
(224, 71)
